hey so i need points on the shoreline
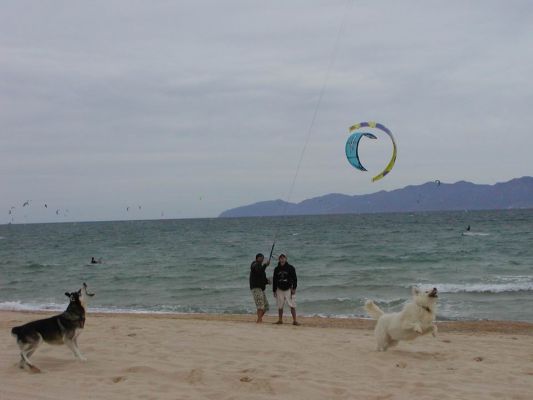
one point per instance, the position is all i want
(464, 326)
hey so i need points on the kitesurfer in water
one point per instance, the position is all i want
(468, 228)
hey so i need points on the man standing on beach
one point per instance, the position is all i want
(258, 282)
(284, 287)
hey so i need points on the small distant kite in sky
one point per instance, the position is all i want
(57, 211)
(46, 205)
(26, 203)
(437, 182)
(352, 147)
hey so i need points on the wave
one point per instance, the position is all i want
(475, 234)
(483, 287)
(19, 306)
(160, 309)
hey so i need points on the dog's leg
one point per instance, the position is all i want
(26, 352)
(434, 332)
(382, 341)
(75, 340)
(72, 345)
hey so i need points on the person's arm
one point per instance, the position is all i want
(251, 272)
(294, 279)
(275, 281)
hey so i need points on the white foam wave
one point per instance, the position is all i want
(19, 306)
(484, 287)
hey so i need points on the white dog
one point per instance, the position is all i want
(417, 318)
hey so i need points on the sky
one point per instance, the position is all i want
(188, 108)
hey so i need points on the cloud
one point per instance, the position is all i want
(162, 101)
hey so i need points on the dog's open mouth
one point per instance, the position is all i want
(433, 293)
(86, 291)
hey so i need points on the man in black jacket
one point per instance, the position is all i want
(284, 287)
(258, 282)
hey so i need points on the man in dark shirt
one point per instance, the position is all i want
(284, 287)
(258, 282)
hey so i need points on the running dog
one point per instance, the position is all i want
(417, 318)
(59, 329)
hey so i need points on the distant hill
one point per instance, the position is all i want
(430, 196)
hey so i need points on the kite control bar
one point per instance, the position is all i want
(271, 252)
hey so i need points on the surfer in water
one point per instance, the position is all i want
(468, 228)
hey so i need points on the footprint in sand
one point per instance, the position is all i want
(195, 376)
(247, 370)
(141, 369)
(401, 364)
(118, 379)
(478, 359)
(246, 379)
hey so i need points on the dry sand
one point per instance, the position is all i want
(231, 357)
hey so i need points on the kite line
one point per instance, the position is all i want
(333, 56)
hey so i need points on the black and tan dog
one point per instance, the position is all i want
(59, 329)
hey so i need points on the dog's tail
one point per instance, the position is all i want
(372, 309)
(15, 331)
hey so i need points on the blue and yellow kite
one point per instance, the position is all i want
(352, 144)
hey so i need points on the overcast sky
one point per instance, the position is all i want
(193, 107)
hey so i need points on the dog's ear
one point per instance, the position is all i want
(67, 294)
(415, 291)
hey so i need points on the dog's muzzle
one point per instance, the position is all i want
(433, 293)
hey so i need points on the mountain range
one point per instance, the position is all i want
(430, 196)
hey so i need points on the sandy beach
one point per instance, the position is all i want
(133, 356)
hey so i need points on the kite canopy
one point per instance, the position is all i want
(352, 153)
(352, 144)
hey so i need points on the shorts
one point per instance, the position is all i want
(283, 296)
(260, 299)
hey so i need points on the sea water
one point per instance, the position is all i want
(202, 265)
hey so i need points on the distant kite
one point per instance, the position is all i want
(352, 153)
(57, 211)
(437, 182)
(26, 203)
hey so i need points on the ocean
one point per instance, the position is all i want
(202, 265)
